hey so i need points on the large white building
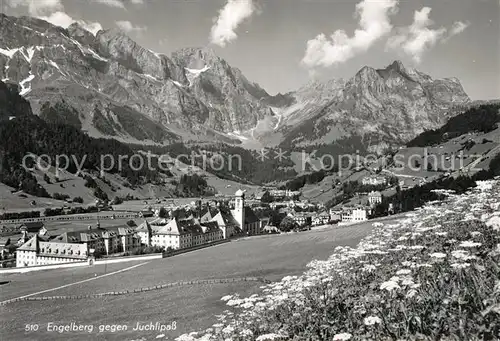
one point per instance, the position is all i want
(75, 245)
(354, 215)
(178, 233)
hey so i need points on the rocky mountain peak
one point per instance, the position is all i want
(113, 87)
(197, 58)
(367, 74)
(398, 66)
(80, 34)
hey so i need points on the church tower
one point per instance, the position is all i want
(239, 208)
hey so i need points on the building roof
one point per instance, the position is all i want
(30, 245)
(210, 226)
(171, 228)
(89, 235)
(144, 227)
(239, 193)
(208, 213)
(32, 226)
(250, 216)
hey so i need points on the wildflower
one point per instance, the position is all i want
(228, 330)
(342, 337)
(411, 293)
(389, 286)
(185, 337)
(460, 265)
(469, 243)
(403, 272)
(266, 337)
(369, 267)
(226, 298)
(247, 305)
(494, 223)
(438, 255)
(234, 302)
(407, 282)
(416, 247)
(462, 254)
(372, 320)
(246, 332)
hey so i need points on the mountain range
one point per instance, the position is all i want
(109, 86)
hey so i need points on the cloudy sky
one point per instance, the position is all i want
(282, 44)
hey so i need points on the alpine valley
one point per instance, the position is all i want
(108, 86)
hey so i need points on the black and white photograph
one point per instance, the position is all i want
(250, 170)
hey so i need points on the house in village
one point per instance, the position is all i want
(321, 218)
(374, 198)
(354, 215)
(302, 219)
(374, 180)
(335, 214)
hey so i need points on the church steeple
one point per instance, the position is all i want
(239, 208)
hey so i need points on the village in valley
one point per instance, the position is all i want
(163, 226)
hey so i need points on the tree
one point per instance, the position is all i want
(288, 224)
(266, 197)
(163, 213)
(78, 200)
(117, 200)
(100, 194)
(46, 178)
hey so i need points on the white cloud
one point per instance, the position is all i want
(137, 2)
(230, 17)
(374, 24)
(37, 7)
(418, 38)
(52, 11)
(111, 3)
(458, 27)
(127, 27)
(64, 20)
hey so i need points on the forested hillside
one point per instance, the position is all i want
(484, 118)
(30, 134)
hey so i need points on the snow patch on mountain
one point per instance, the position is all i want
(195, 73)
(26, 89)
(237, 134)
(178, 84)
(9, 52)
(28, 53)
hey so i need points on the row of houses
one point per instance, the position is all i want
(210, 225)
